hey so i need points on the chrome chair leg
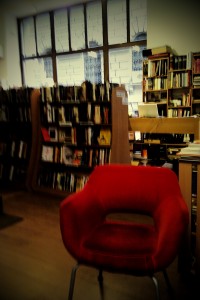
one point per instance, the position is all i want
(155, 281)
(72, 282)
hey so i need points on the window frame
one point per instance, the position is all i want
(105, 47)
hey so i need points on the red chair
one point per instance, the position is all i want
(124, 246)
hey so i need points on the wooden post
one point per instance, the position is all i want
(120, 143)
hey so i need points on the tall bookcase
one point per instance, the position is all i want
(179, 87)
(15, 138)
(155, 81)
(73, 131)
(189, 178)
(173, 82)
(196, 82)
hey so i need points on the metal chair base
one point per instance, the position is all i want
(100, 279)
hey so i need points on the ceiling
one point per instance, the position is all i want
(21, 8)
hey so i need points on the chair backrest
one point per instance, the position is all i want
(119, 187)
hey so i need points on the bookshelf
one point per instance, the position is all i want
(179, 86)
(196, 82)
(155, 81)
(73, 131)
(189, 179)
(15, 138)
(173, 82)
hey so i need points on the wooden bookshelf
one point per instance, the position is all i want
(155, 81)
(15, 141)
(173, 82)
(15, 138)
(189, 179)
(109, 108)
(196, 83)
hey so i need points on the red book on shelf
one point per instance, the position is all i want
(45, 134)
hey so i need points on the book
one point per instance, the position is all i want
(97, 114)
(77, 157)
(22, 149)
(11, 173)
(157, 50)
(56, 154)
(104, 137)
(75, 114)
(53, 134)
(49, 113)
(3, 113)
(45, 134)
(191, 149)
(47, 153)
(67, 155)
(13, 146)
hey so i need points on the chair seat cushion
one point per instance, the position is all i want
(119, 245)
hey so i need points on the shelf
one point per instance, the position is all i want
(63, 156)
(182, 73)
(189, 179)
(15, 138)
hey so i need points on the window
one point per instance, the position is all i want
(94, 24)
(117, 29)
(138, 20)
(43, 34)
(28, 37)
(77, 28)
(38, 72)
(95, 41)
(61, 30)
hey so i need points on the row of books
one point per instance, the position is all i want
(178, 112)
(19, 95)
(191, 149)
(81, 136)
(68, 114)
(177, 80)
(196, 66)
(63, 181)
(75, 157)
(156, 83)
(196, 81)
(179, 62)
(85, 92)
(184, 99)
(157, 67)
(166, 138)
(11, 172)
(15, 149)
(15, 113)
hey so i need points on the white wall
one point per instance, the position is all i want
(10, 64)
(173, 22)
(2, 43)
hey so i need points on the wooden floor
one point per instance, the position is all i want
(34, 264)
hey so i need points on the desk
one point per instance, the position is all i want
(187, 125)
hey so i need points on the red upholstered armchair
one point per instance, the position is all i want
(95, 237)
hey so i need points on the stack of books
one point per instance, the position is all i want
(193, 149)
